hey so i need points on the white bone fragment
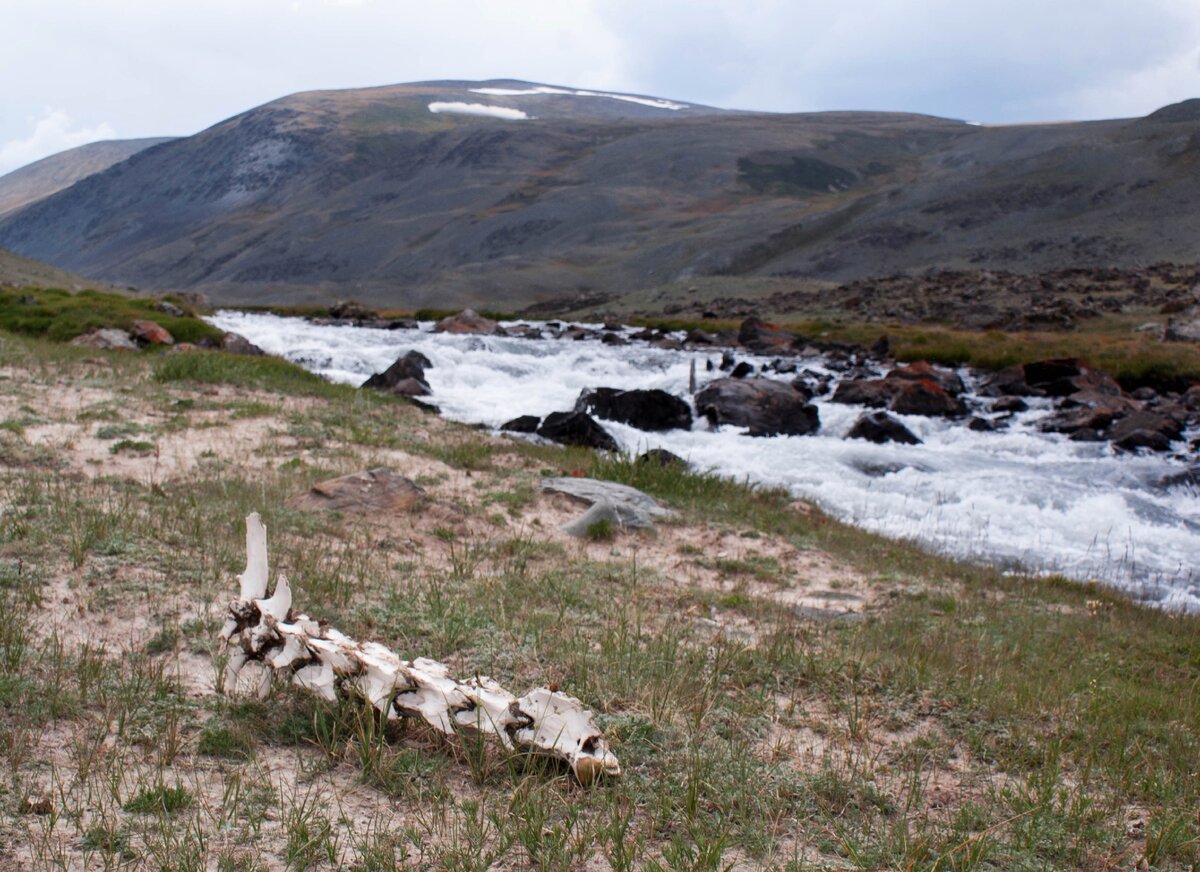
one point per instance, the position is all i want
(233, 668)
(328, 662)
(294, 649)
(254, 579)
(280, 602)
(318, 678)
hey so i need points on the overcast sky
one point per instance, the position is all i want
(72, 71)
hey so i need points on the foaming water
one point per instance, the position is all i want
(1018, 498)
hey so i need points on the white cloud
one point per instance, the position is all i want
(52, 132)
(479, 109)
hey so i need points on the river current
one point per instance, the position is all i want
(1019, 498)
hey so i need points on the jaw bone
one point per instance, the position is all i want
(329, 664)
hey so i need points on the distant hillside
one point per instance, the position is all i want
(51, 174)
(507, 193)
(21, 271)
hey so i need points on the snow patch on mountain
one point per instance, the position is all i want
(546, 89)
(479, 109)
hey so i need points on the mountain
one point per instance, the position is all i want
(42, 178)
(508, 193)
(22, 272)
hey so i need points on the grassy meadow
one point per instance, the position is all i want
(784, 692)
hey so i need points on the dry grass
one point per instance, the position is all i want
(942, 717)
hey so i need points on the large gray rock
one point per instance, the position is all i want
(766, 407)
(624, 505)
(107, 338)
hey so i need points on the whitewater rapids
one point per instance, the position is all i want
(1018, 498)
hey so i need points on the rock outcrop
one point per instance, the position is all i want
(653, 410)
(764, 406)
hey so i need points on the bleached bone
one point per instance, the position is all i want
(330, 663)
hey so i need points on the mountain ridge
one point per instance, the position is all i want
(376, 194)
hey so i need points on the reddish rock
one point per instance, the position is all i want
(149, 333)
(466, 321)
(923, 370)
(758, 335)
(926, 397)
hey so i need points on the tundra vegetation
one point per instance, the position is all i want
(783, 691)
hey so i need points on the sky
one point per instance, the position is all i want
(75, 71)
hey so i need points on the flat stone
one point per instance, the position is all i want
(107, 338)
(624, 505)
(376, 491)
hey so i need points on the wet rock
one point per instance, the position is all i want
(696, 336)
(863, 392)
(106, 338)
(1080, 418)
(522, 424)
(727, 362)
(525, 331)
(150, 333)
(1056, 377)
(764, 406)
(613, 339)
(742, 370)
(401, 324)
(661, 457)
(374, 492)
(236, 343)
(926, 397)
(667, 344)
(1009, 382)
(757, 335)
(880, 427)
(982, 425)
(1144, 394)
(922, 370)
(576, 428)
(645, 409)
(1188, 479)
(467, 321)
(1146, 429)
(348, 310)
(405, 377)
(1010, 405)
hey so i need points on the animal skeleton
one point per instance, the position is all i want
(329, 663)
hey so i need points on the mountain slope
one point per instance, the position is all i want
(50, 174)
(507, 193)
(23, 272)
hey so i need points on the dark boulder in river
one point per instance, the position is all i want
(764, 406)
(576, 428)
(644, 409)
(405, 377)
(880, 427)
(522, 424)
